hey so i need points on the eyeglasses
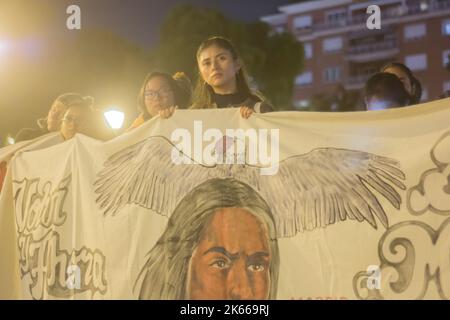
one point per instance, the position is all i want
(162, 92)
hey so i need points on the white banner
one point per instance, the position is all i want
(293, 206)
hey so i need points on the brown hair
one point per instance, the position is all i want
(203, 93)
(415, 84)
(388, 87)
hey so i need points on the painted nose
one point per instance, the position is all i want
(238, 283)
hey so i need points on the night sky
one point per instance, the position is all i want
(139, 20)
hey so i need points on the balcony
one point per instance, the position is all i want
(372, 51)
(400, 11)
(372, 47)
(304, 30)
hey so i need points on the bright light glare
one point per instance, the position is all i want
(10, 140)
(4, 47)
(114, 118)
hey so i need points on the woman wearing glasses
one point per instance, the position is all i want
(161, 94)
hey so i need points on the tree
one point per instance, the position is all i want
(91, 62)
(272, 60)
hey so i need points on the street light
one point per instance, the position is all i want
(114, 117)
(10, 140)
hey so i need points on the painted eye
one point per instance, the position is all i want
(256, 267)
(220, 264)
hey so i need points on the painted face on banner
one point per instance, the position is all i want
(232, 258)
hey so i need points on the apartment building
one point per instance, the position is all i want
(341, 51)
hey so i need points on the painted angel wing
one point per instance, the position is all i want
(309, 191)
(144, 174)
(328, 185)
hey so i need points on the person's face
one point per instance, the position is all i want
(158, 95)
(74, 121)
(232, 259)
(218, 69)
(403, 77)
(375, 103)
(55, 115)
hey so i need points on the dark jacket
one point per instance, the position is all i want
(236, 100)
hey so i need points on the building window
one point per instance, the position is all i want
(302, 22)
(423, 5)
(332, 44)
(332, 74)
(416, 62)
(394, 11)
(446, 27)
(307, 47)
(446, 58)
(415, 31)
(337, 17)
(304, 79)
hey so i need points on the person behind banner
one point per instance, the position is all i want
(219, 243)
(160, 94)
(75, 119)
(385, 91)
(223, 80)
(52, 123)
(405, 75)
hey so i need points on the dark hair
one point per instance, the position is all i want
(388, 87)
(416, 87)
(204, 93)
(166, 271)
(179, 83)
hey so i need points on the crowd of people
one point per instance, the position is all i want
(222, 83)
